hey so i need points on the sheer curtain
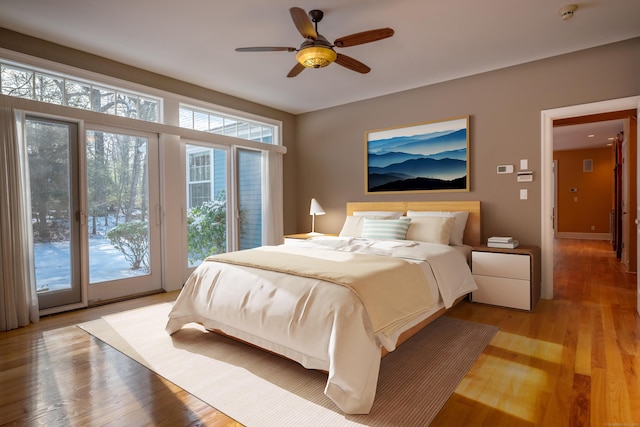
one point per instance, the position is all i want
(18, 299)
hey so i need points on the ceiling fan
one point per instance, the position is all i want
(316, 51)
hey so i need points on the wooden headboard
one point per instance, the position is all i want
(472, 235)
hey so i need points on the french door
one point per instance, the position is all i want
(94, 204)
(53, 152)
(217, 223)
(122, 217)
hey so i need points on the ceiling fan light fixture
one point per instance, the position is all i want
(316, 56)
(566, 12)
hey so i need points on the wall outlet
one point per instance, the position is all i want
(523, 194)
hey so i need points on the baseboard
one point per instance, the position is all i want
(583, 236)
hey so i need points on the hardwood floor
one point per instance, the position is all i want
(55, 374)
(573, 361)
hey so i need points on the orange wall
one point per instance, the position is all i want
(591, 205)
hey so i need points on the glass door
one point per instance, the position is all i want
(211, 226)
(207, 204)
(95, 213)
(249, 196)
(52, 148)
(123, 213)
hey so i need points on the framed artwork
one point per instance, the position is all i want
(424, 157)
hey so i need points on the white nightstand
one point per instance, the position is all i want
(507, 277)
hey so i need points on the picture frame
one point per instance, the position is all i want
(423, 157)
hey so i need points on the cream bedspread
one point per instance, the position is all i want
(320, 324)
(367, 275)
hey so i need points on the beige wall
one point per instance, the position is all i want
(325, 157)
(591, 204)
(505, 122)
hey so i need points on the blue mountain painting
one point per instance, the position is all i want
(430, 161)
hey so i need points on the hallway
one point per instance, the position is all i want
(587, 271)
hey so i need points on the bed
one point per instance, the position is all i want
(340, 303)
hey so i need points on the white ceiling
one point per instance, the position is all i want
(588, 135)
(434, 41)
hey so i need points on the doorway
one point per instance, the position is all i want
(547, 214)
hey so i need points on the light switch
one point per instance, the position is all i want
(523, 194)
(524, 164)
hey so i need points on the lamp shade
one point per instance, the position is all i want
(315, 208)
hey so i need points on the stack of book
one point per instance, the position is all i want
(502, 242)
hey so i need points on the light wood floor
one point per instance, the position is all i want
(574, 361)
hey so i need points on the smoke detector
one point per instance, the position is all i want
(566, 12)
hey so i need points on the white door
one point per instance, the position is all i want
(122, 216)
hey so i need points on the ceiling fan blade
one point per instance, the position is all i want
(265, 49)
(303, 23)
(364, 37)
(297, 69)
(352, 64)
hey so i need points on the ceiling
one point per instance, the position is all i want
(434, 40)
(588, 135)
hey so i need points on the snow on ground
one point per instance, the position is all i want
(105, 263)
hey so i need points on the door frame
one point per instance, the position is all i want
(546, 177)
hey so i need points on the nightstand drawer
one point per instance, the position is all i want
(513, 293)
(510, 266)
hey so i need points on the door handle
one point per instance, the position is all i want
(81, 217)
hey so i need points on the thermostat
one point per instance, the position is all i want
(505, 169)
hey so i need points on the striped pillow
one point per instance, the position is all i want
(395, 229)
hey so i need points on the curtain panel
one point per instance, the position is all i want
(18, 298)
(273, 228)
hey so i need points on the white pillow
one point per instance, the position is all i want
(395, 229)
(432, 229)
(381, 214)
(352, 226)
(458, 228)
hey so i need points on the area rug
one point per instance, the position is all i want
(260, 389)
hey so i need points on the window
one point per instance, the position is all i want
(207, 209)
(213, 122)
(199, 182)
(23, 81)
